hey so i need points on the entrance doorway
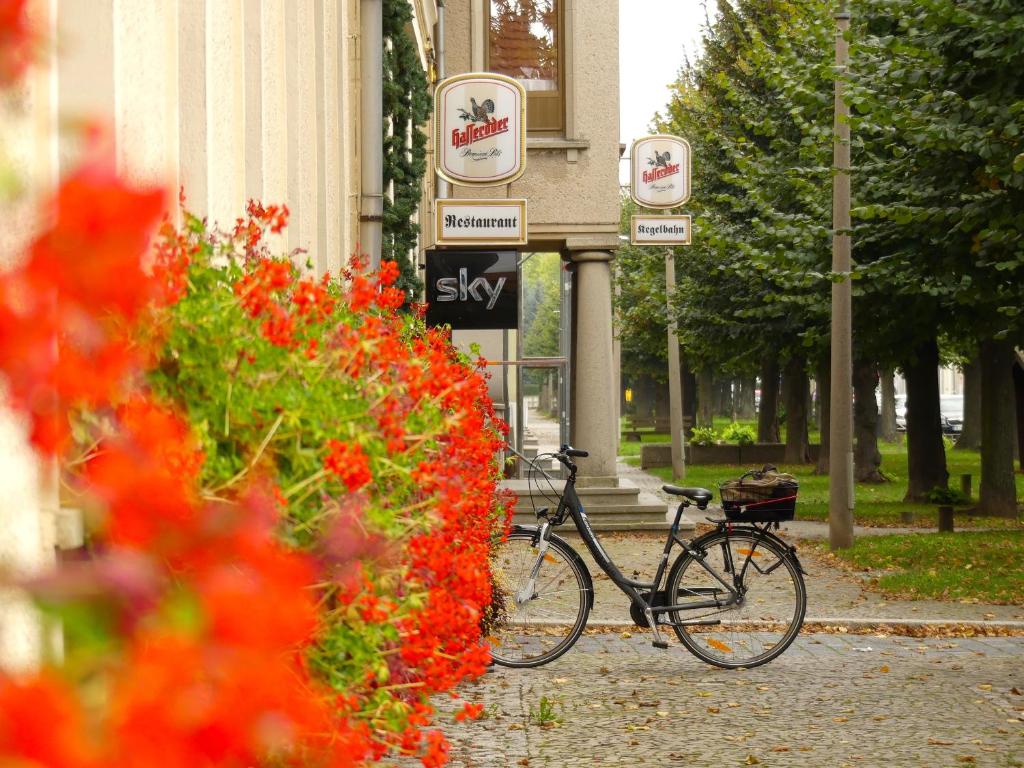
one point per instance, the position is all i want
(537, 373)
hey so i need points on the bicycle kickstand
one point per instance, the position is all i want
(658, 641)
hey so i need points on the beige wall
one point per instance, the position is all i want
(229, 99)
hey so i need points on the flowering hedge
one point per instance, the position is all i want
(311, 414)
(381, 440)
(290, 489)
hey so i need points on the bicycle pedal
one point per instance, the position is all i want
(660, 644)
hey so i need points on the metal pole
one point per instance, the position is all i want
(371, 77)
(442, 188)
(840, 497)
(675, 392)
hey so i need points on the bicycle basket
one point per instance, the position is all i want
(760, 496)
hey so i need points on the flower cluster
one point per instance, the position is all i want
(17, 40)
(80, 281)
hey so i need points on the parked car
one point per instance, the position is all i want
(901, 413)
(951, 408)
(951, 413)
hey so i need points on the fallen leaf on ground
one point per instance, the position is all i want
(940, 742)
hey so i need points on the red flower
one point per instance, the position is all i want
(349, 463)
(17, 41)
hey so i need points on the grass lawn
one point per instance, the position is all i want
(972, 565)
(878, 505)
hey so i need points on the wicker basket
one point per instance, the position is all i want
(760, 496)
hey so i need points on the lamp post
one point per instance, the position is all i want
(840, 497)
(675, 388)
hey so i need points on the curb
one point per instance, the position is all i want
(843, 625)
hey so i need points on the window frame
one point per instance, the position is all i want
(539, 103)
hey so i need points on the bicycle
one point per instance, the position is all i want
(744, 583)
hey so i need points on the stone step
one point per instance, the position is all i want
(626, 493)
(646, 513)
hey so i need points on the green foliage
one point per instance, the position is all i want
(407, 107)
(741, 434)
(545, 715)
(703, 436)
(756, 111)
(938, 95)
(954, 496)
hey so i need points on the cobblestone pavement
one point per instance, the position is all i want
(830, 700)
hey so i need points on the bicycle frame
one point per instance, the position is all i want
(570, 504)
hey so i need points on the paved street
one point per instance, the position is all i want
(830, 700)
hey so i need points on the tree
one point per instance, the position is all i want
(407, 106)
(939, 94)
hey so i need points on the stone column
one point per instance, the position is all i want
(594, 427)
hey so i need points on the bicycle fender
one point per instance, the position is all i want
(577, 558)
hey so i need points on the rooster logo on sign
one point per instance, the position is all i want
(660, 159)
(479, 112)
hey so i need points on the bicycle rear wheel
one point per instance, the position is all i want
(540, 604)
(768, 614)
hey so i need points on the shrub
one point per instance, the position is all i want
(740, 434)
(954, 496)
(703, 436)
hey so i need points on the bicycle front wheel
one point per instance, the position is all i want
(754, 623)
(541, 600)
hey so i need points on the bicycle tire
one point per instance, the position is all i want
(763, 625)
(539, 630)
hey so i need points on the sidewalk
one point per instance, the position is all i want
(830, 700)
(834, 596)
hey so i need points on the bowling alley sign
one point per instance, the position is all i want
(660, 175)
(480, 124)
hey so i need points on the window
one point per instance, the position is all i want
(524, 41)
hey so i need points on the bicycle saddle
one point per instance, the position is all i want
(700, 496)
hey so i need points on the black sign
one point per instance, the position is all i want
(473, 289)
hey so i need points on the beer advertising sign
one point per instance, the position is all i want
(480, 129)
(473, 289)
(660, 175)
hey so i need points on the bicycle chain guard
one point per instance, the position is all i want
(636, 613)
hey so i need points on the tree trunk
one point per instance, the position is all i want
(1018, 386)
(970, 435)
(998, 494)
(768, 410)
(926, 455)
(794, 386)
(824, 377)
(887, 427)
(705, 398)
(746, 406)
(689, 385)
(867, 461)
(723, 399)
(662, 406)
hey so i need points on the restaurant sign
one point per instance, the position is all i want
(660, 175)
(659, 229)
(473, 289)
(480, 129)
(481, 222)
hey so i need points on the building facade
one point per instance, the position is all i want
(226, 100)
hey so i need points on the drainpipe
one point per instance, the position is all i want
(371, 75)
(443, 188)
